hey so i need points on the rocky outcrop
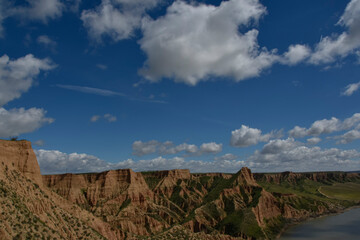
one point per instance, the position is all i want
(293, 178)
(122, 184)
(123, 204)
(29, 210)
(19, 155)
(267, 208)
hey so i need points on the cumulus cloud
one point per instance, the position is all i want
(194, 41)
(165, 148)
(246, 136)
(296, 54)
(336, 46)
(41, 10)
(226, 157)
(18, 121)
(350, 89)
(313, 140)
(53, 161)
(211, 147)
(281, 155)
(286, 155)
(47, 42)
(17, 76)
(348, 137)
(278, 145)
(325, 126)
(3, 14)
(116, 19)
(143, 148)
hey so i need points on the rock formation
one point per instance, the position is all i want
(20, 156)
(173, 204)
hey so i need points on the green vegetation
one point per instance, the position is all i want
(241, 222)
(218, 185)
(342, 191)
(151, 181)
(124, 205)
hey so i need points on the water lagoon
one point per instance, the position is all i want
(342, 226)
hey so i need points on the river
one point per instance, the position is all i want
(342, 226)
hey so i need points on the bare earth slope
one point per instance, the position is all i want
(173, 204)
(30, 211)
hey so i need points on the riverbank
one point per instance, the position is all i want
(296, 223)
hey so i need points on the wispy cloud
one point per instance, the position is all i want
(91, 90)
(102, 66)
(106, 93)
(108, 117)
(350, 89)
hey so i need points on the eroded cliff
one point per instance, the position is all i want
(123, 204)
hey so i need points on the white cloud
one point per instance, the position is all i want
(313, 140)
(296, 54)
(278, 145)
(107, 93)
(41, 10)
(350, 89)
(58, 162)
(3, 14)
(211, 147)
(95, 118)
(18, 121)
(144, 148)
(246, 136)
(47, 42)
(52, 162)
(325, 126)
(348, 137)
(194, 41)
(226, 157)
(282, 155)
(288, 155)
(39, 143)
(102, 66)
(169, 148)
(115, 19)
(110, 118)
(339, 46)
(17, 76)
(351, 121)
(91, 90)
(298, 132)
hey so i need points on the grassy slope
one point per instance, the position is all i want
(342, 191)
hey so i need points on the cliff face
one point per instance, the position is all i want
(20, 156)
(123, 204)
(31, 211)
(293, 178)
(89, 189)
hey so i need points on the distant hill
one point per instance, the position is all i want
(173, 204)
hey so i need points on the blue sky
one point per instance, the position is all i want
(205, 85)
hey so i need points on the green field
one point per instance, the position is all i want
(342, 191)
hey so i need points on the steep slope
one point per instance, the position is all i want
(20, 156)
(30, 211)
(172, 204)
